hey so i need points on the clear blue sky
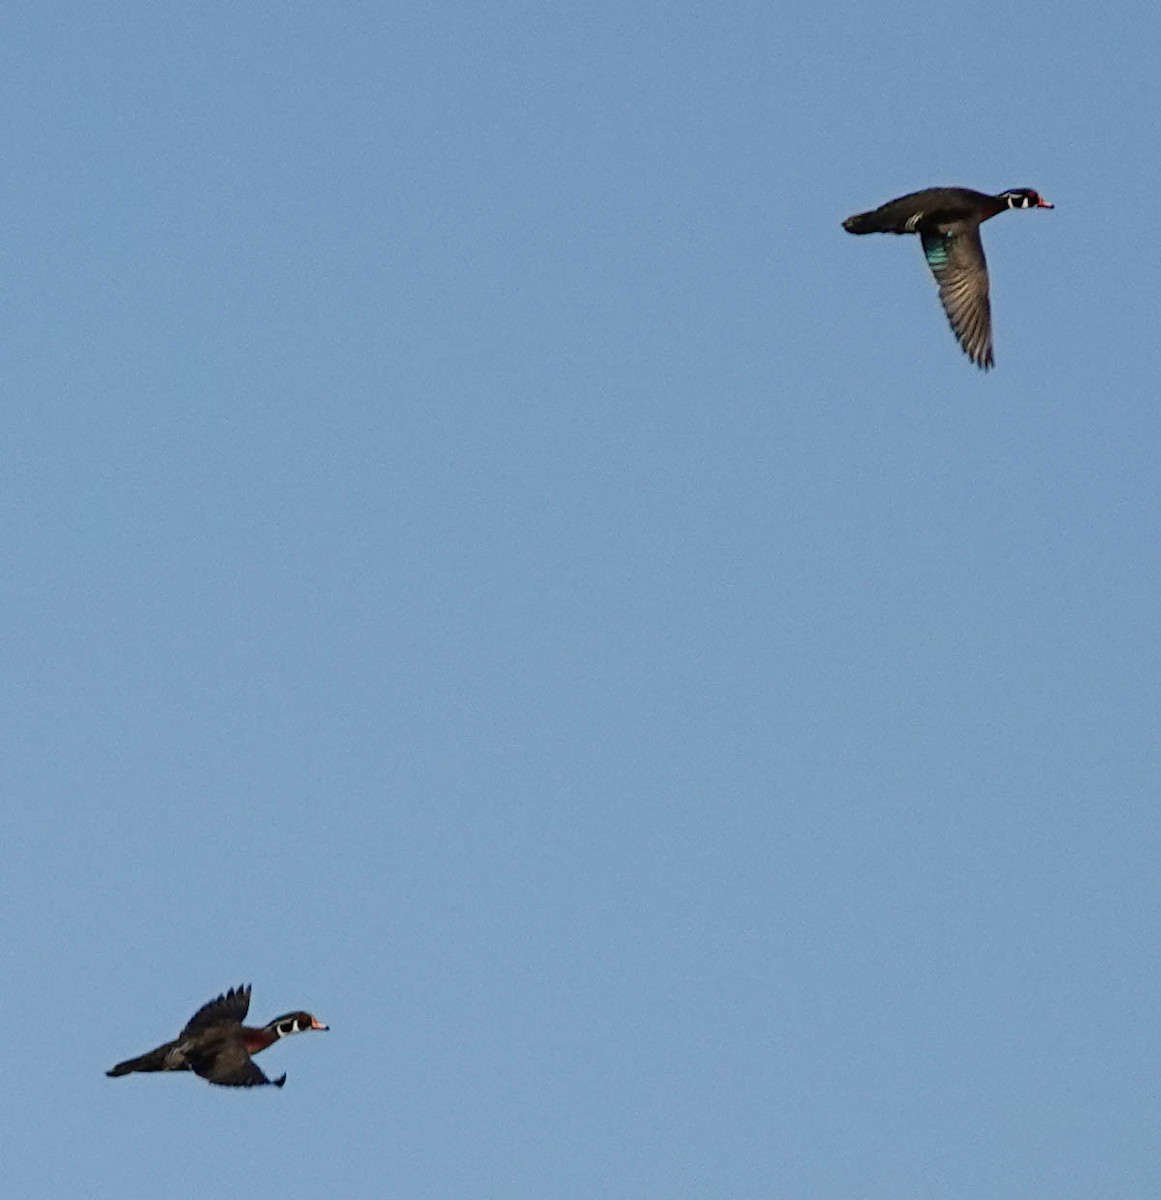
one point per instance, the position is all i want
(490, 561)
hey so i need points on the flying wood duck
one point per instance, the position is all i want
(948, 222)
(217, 1046)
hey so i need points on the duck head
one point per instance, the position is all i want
(1025, 198)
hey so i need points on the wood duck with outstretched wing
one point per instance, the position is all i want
(218, 1047)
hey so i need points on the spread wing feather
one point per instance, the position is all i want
(229, 1065)
(958, 264)
(230, 1009)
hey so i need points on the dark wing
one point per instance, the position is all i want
(958, 264)
(230, 1066)
(230, 1009)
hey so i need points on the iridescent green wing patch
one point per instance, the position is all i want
(936, 249)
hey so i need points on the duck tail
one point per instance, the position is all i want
(864, 222)
(153, 1061)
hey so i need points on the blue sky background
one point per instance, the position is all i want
(493, 563)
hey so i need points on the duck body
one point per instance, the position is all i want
(218, 1047)
(948, 220)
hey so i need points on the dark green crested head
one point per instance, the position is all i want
(1024, 198)
(295, 1022)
